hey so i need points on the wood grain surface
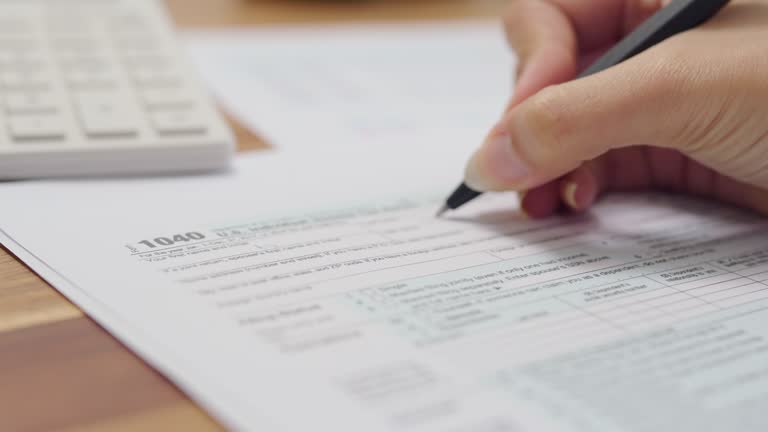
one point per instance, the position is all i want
(61, 371)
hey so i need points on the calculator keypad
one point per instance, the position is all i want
(86, 78)
(36, 127)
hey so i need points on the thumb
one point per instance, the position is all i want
(635, 103)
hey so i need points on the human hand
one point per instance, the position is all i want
(688, 115)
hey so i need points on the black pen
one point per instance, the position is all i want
(677, 17)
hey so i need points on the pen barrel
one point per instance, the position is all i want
(677, 17)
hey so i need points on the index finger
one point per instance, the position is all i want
(550, 36)
(545, 42)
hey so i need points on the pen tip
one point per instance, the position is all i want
(442, 211)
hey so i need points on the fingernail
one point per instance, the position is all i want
(519, 69)
(495, 166)
(569, 194)
(651, 4)
(521, 196)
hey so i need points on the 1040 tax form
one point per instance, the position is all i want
(287, 297)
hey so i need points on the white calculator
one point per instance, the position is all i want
(101, 87)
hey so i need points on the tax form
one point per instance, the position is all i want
(288, 297)
(359, 84)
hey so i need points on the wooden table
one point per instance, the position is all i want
(61, 371)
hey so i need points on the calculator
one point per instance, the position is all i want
(101, 87)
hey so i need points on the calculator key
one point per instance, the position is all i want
(60, 23)
(18, 44)
(31, 102)
(148, 78)
(168, 98)
(137, 44)
(129, 24)
(85, 64)
(13, 25)
(7, 58)
(89, 62)
(178, 122)
(107, 116)
(90, 79)
(11, 58)
(27, 65)
(25, 80)
(37, 127)
(100, 85)
(76, 45)
(153, 61)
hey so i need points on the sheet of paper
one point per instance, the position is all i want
(359, 83)
(292, 296)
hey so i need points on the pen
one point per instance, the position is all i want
(677, 17)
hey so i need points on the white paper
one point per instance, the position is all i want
(297, 296)
(360, 84)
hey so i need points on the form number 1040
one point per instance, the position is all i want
(172, 240)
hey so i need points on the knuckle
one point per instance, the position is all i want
(688, 91)
(671, 81)
(671, 72)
